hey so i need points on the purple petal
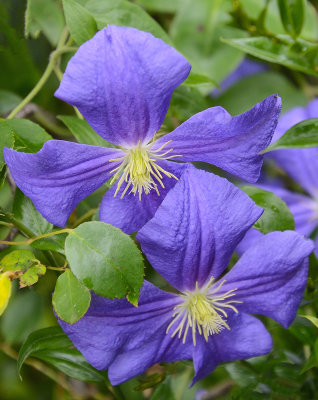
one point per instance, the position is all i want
(271, 276)
(126, 339)
(162, 348)
(248, 240)
(60, 175)
(121, 81)
(196, 229)
(129, 214)
(247, 338)
(300, 164)
(231, 143)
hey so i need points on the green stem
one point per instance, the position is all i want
(84, 217)
(22, 228)
(50, 67)
(117, 393)
(33, 239)
(6, 224)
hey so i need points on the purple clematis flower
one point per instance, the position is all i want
(189, 242)
(122, 81)
(302, 166)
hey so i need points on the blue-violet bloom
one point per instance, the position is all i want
(302, 166)
(190, 242)
(122, 81)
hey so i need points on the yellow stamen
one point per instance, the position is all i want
(140, 171)
(200, 310)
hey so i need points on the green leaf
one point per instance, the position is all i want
(312, 319)
(292, 13)
(276, 216)
(18, 72)
(22, 315)
(29, 137)
(302, 135)
(196, 32)
(17, 260)
(165, 6)
(187, 101)
(273, 21)
(198, 80)
(71, 299)
(80, 22)
(54, 243)
(244, 94)
(299, 56)
(31, 276)
(106, 260)
(6, 139)
(24, 211)
(8, 101)
(48, 19)
(83, 132)
(53, 346)
(124, 13)
(163, 391)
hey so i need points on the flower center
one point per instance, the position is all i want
(140, 171)
(202, 310)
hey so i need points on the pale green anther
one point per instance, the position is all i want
(202, 310)
(140, 171)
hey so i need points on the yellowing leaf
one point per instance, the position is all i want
(32, 275)
(5, 292)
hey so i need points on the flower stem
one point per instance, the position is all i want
(22, 228)
(33, 239)
(60, 49)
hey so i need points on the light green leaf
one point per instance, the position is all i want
(244, 94)
(8, 100)
(276, 216)
(299, 56)
(17, 260)
(80, 22)
(124, 13)
(29, 136)
(196, 32)
(165, 6)
(273, 21)
(31, 276)
(24, 211)
(48, 19)
(106, 260)
(302, 135)
(312, 319)
(54, 347)
(71, 299)
(194, 80)
(83, 132)
(292, 13)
